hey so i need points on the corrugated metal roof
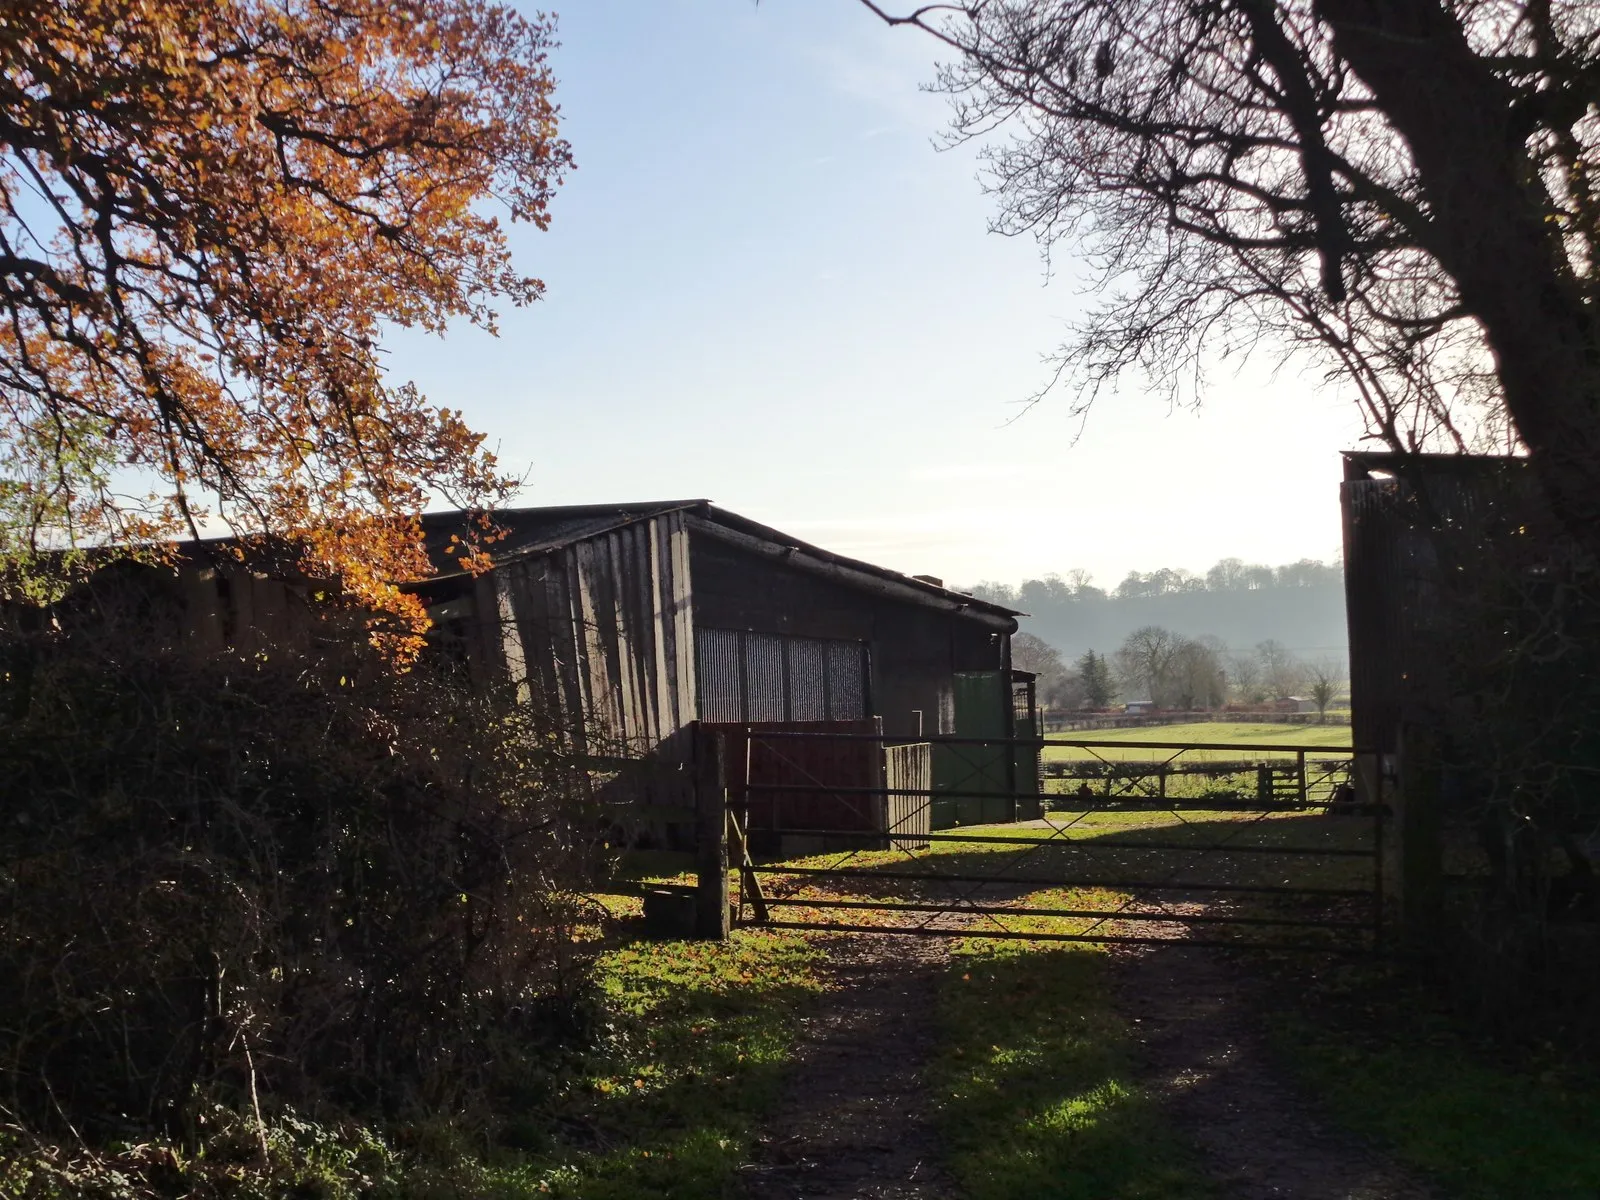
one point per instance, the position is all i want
(537, 530)
(540, 530)
(768, 534)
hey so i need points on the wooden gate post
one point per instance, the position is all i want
(711, 839)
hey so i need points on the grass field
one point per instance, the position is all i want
(1224, 733)
(1034, 1077)
(1038, 1094)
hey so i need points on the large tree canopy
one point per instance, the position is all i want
(1405, 188)
(209, 213)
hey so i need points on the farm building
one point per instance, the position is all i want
(648, 622)
(642, 627)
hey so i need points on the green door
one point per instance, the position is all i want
(975, 778)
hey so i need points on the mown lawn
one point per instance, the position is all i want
(1226, 733)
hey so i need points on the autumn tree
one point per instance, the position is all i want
(1406, 193)
(210, 214)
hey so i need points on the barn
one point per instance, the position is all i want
(647, 626)
(649, 630)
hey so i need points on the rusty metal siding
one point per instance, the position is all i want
(819, 764)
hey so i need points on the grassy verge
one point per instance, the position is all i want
(1038, 1097)
(705, 1032)
(1332, 737)
(665, 1102)
(1487, 1121)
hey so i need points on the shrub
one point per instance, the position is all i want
(295, 877)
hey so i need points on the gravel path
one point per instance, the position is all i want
(855, 1120)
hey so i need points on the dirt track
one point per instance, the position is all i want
(855, 1121)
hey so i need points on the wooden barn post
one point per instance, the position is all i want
(711, 838)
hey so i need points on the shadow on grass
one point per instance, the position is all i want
(1489, 1120)
(669, 1107)
(1038, 1095)
(1098, 863)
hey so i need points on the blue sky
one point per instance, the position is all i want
(766, 287)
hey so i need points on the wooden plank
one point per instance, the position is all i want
(644, 639)
(635, 622)
(613, 561)
(683, 611)
(566, 644)
(532, 604)
(663, 685)
(597, 706)
(512, 652)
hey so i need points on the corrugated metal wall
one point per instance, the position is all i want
(606, 625)
(909, 768)
(765, 677)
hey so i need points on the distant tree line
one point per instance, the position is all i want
(1228, 575)
(1240, 604)
(1173, 671)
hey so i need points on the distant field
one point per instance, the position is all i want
(1222, 733)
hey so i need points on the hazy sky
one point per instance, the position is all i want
(767, 288)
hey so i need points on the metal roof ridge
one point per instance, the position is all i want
(777, 536)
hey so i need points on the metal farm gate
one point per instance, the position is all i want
(1150, 842)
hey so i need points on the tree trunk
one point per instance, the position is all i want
(1488, 228)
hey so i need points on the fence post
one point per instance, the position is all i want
(1301, 765)
(711, 840)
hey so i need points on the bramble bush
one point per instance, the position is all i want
(295, 878)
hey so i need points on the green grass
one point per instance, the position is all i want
(1074, 846)
(705, 1032)
(1487, 1122)
(665, 1105)
(1037, 1093)
(1332, 737)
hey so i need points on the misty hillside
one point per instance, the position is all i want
(1300, 605)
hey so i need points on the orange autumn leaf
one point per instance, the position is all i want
(209, 214)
